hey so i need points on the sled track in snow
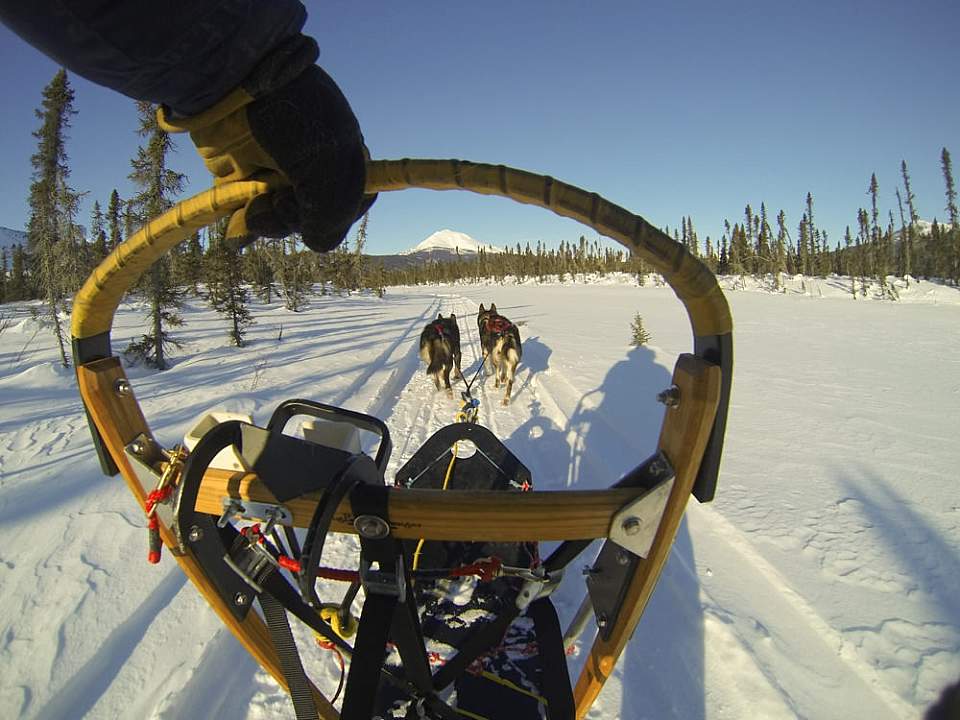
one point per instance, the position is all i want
(406, 363)
(783, 620)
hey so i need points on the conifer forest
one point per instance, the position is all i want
(62, 248)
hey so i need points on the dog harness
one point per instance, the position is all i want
(498, 325)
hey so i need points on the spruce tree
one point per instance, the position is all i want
(4, 269)
(847, 261)
(113, 220)
(951, 265)
(187, 264)
(872, 191)
(359, 245)
(780, 247)
(226, 292)
(638, 333)
(158, 184)
(98, 235)
(951, 207)
(764, 263)
(903, 249)
(803, 246)
(911, 259)
(259, 271)
(17, 286)
(290, 269)
(51, 232)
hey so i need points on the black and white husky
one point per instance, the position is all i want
(500, 340)
(440, 349)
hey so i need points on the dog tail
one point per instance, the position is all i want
(436, 355)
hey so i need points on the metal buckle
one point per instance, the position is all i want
(384, 582)
(254, 511)
(539, 585)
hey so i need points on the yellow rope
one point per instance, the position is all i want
(463, 416)
(467, 713)
(506, 683)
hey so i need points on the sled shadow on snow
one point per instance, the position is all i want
(612, 429)
(663, 666)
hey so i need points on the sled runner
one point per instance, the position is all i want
(414, 654)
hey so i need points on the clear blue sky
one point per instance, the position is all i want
(668, 108)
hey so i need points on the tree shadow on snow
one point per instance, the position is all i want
(924, 554)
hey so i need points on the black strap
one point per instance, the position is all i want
(299, 686)
(388, 614)
(555, 678)
(363, 679)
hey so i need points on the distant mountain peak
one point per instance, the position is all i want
(451, 241)
(10, 237)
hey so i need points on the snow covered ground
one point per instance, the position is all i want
(823, 582)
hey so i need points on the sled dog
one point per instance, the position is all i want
(500, 341)
(440, 349)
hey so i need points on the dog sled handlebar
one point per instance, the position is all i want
(691, 436)
(691, 280)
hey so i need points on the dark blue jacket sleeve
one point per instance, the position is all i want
(185, 54)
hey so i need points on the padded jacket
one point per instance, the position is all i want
(185, 54)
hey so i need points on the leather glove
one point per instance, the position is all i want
(288, 124)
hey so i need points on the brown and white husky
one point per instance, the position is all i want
(500, 340)
(440, 349)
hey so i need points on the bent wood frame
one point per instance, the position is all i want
(691, 435)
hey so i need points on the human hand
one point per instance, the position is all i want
(290, 126)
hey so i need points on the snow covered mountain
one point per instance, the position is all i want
(450, 241)
(10, 237)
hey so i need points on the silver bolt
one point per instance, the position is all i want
(137, 447)
(623, 558)
(122, 386)
(195, 534)
(372, 527)
(240, 599)
(632, 525)
(670, 397)
(601, 620)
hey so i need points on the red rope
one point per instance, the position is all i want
(154, 498)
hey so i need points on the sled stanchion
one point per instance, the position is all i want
(119, 421)
(683, 437)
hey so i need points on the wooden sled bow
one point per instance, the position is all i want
(638, 518)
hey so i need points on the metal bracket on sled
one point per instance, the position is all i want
(255, 511)
(631, 536)
(149, 461)
(635, 525)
